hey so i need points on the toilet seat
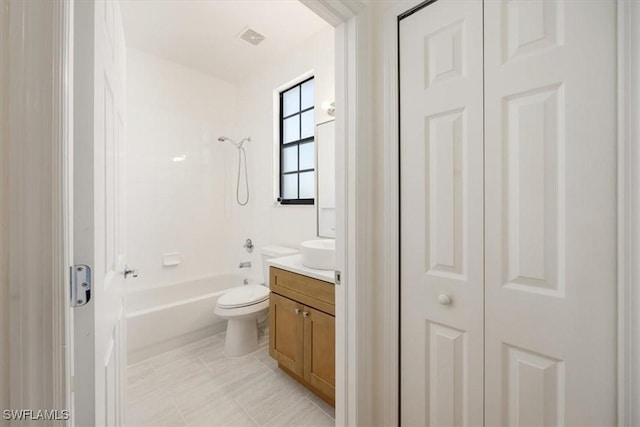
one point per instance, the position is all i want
(244, 296)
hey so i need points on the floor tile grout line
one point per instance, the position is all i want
(322, 410)
(183, 358)
(181, 348)
(166, 365)
(181, 352)
(281, 412)
(170, 393)
(153, 373)
(246, 412)
(264, 364)
(179, 411)
(206, 366)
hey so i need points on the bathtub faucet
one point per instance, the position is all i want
(245, 264)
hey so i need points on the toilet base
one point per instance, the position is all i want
(241, 337)
(242, 327)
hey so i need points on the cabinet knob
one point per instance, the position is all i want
(297, 310)
(305, 313)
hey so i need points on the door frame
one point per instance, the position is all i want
(352, 20)
(628, 213)
(628, 372)
(35, 369)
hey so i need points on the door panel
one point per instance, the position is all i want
(99, 98)
(550, 213)
(441, 149)
(286, 326)
(319, 351)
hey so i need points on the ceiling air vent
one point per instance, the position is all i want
(252, 37)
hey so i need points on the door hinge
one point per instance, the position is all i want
(337, 277)
(80, 277)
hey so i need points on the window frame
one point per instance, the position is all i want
(297, 143)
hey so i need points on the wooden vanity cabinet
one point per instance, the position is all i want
(302, 330)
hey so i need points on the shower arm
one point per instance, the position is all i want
(235, 144)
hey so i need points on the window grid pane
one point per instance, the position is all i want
(290, 186)
(290, 158)
(291, 101)
(291, 127)
(297, 126)
(306, 185)
(306, 156)
(306, 96)
(307, 124)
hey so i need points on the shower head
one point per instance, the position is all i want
(237, 145)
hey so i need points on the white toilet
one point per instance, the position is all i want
(244, 307)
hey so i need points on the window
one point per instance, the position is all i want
(297, 127)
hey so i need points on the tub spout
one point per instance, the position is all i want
(245, 264)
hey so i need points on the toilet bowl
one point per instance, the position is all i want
(242, 307)
(246, 306)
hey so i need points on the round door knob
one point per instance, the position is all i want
(444, 299)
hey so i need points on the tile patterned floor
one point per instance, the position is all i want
(197, 385)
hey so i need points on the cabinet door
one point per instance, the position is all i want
(319, 351)
(285, 338)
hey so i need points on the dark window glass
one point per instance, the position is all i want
(297, 129)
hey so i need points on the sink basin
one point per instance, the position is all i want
(319, 254)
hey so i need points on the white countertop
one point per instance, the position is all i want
(294, 264)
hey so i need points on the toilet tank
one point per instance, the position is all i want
(269, 252)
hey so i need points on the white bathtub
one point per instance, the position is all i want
(162, 318)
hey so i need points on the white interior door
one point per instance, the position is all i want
(99, 326)
(441, 150)
(550, 108)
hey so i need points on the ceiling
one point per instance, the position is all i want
(204, 34)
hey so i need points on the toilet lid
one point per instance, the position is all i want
(243, 296)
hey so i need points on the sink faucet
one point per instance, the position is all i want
(245, 264)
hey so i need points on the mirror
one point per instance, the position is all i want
(326, 179)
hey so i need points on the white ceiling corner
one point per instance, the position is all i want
(204, 34)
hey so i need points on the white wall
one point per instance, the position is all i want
(190, 207)
(262, 220)
(177, 206)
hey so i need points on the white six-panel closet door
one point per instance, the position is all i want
(526, 257)
(442, 215)
(550, 233)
